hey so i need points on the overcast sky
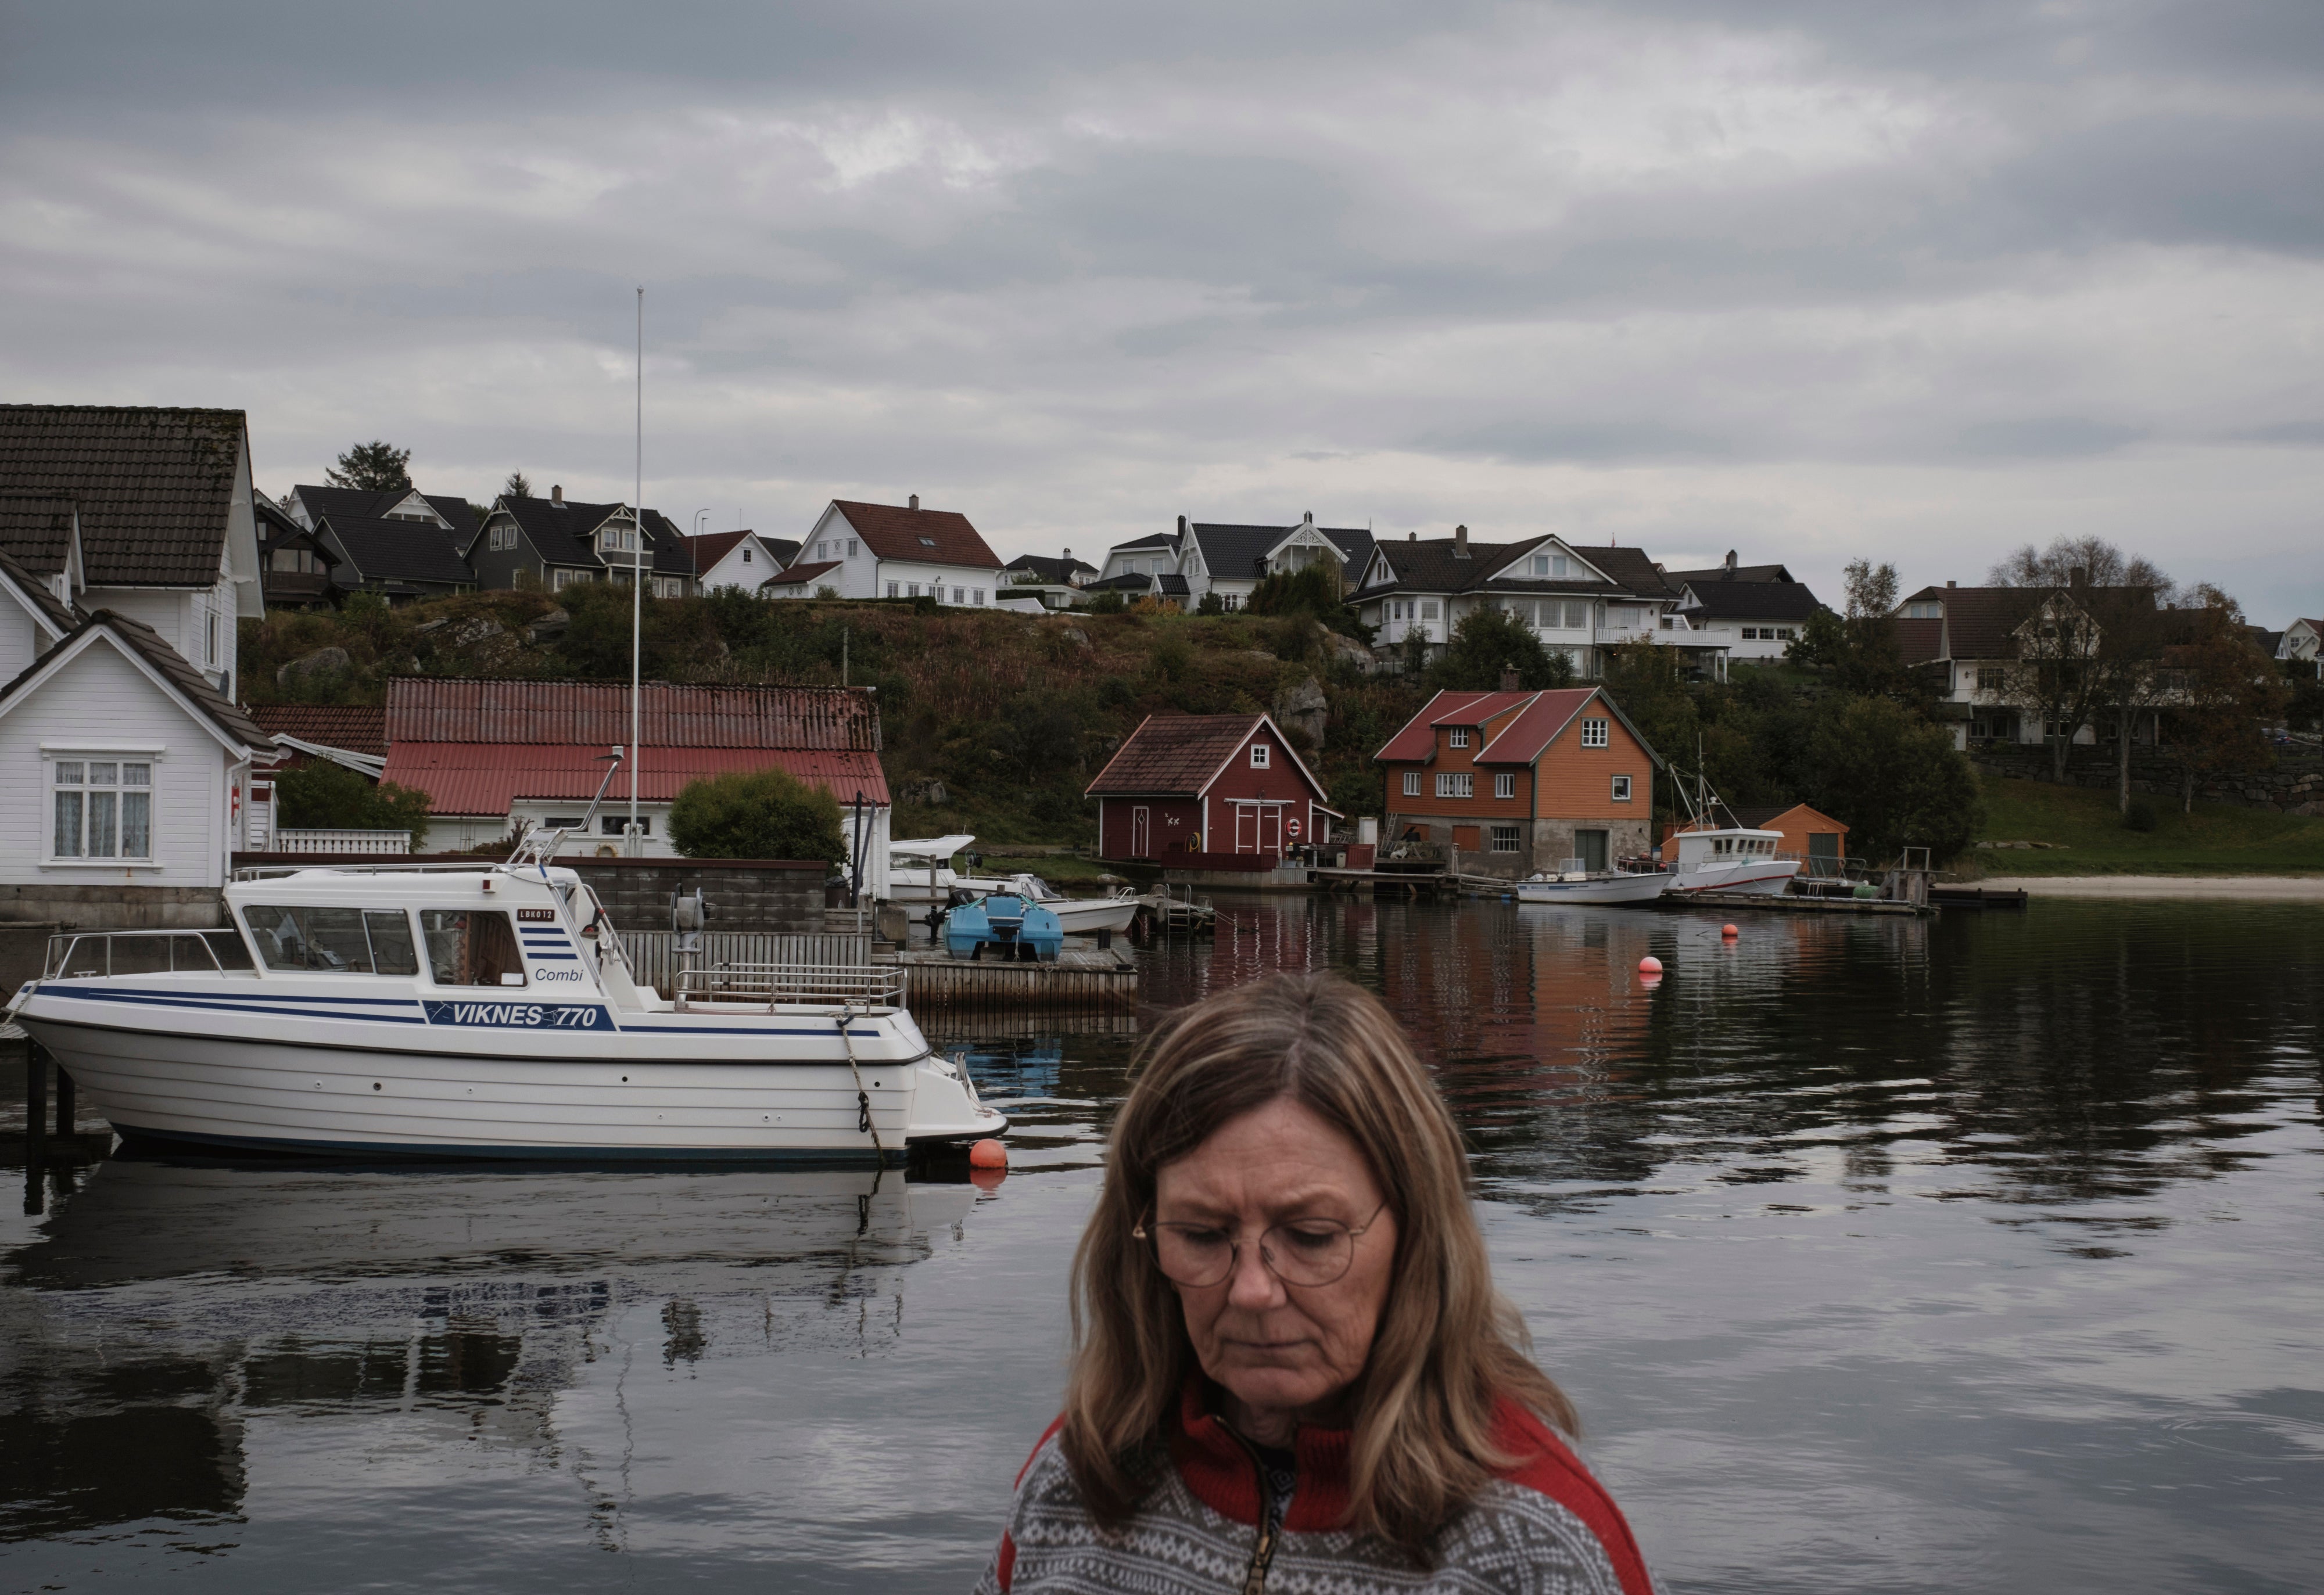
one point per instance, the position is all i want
(1916, 282)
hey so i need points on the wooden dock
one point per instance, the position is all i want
(1081, 980)
(1783, 902)
(1411, 883)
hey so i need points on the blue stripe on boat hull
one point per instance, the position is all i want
(402, 1152)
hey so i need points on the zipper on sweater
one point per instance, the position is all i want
(1254, 1579)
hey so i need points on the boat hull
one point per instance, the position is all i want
(1641, 888)
(1088, 916)
(1748, 877)
(160, 1061)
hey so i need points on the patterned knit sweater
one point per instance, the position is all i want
(1544, 1527)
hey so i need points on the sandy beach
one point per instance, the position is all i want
(2248, 887)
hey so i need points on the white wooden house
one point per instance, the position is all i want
(881, 551)
(742, 559)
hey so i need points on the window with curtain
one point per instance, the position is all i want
(102, 808)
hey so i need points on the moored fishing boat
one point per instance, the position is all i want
(1602, 885)
(1732, 859)
(481, 1012)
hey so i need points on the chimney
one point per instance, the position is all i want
(915, 501)
(1411, 536)
(1181, 526)
(2078, 577)
(1509, 680)
(557, 495)
(1731, 562)
(1460, 542)
(1952, 584)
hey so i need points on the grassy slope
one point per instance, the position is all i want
(2218, 838)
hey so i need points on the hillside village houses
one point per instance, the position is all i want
(1205, 558)
(551, 543)
(1972, 641)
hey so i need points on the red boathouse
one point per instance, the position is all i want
(1187, 787)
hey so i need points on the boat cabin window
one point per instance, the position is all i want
(340, 941)
(471, 947)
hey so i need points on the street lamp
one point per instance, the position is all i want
(699, 515)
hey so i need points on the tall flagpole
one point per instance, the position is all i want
(637, 578)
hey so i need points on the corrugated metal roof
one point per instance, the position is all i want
(596, 715)
(486, 777)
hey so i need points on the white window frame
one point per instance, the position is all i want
(1621, 788)
(894, 589)
(854, 547)
(1504, 784)
(1259, 754)
(1412, 783)
(1456, 784)
(210, 636)
(1596, 733)
(1459, 736)
(82, 755)
(1504, 839)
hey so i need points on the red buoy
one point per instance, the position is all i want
(1650, 965)
(1728, 931)
(988, 1154)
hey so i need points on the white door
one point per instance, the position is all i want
(1246, 827)
(1270, 829)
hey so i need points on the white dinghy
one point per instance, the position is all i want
(1601, 887)
(484, 1012)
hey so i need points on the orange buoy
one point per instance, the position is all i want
(1650, 965)
(988, 1154)
(1728, 931)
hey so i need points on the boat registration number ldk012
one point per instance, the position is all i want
(522, 1016)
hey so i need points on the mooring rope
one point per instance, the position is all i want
(862, 1099)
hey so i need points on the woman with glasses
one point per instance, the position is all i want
(1290, 1368)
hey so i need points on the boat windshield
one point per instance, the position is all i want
(342, 940)
(471, 947)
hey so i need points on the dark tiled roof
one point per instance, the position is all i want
(1173, 754)
(1918, 643)
(784, 548)
(1152, 540)
(1719, 573)
(356, 728)
(564, 534)
(153, 487)
(1232, 553)
(1058, 572)
(1131, 581)
(144, 641)
(931, 537)
(36, 528)
(711, 546)
(458, 511)
(1433, 566)
(1754, 601)
(398, 550)
(1171, 584)
(62, 616)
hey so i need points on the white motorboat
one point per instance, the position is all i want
(1077, 915)
(920, 873)
(1603, 886)
(1733, 859)
(481, 1012)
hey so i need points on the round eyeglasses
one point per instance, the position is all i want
(1298, 1252)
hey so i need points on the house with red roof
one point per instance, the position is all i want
(742, 559)
(492, 755)
(1513, 782)
(881, 551)
(1184, 788)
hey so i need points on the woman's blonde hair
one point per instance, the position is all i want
(1448, 1346)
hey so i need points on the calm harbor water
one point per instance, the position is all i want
(1976, 1254)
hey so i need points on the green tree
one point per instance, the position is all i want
(375, 466)
(1489, 640)
(518, 485)
(1108, 602)
(757, 814)
(1212, 604)
(1895, 778)
(1312, 590)
(321, 796)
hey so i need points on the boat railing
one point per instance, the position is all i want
(773, 985)
(83, 953)
(356, 865)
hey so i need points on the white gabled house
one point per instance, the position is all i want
(123, 779)
(740, 559)
(881, 551)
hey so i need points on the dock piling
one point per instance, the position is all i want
(36, 1116)
(67, 1118)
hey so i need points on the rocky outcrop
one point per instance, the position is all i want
(1303, 707)
(313, 669)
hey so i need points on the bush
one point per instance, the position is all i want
(1108, 603)
(1489, 640)
(320, 796)
(757, 814)
(2140, 815)
(1212, 604)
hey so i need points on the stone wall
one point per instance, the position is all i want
(2295, 785)
(777, 896)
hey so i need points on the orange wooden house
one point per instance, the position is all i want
(1513, 782)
